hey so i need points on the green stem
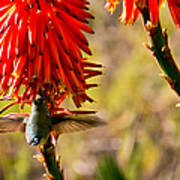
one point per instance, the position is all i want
(51, 165)
(162, 52)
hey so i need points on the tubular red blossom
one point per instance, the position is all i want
(40, 48)
(174, 6)
(131, 9)
(130, 12)
(154, 11)
(153, 6)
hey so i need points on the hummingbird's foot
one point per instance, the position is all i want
(39, 149)
(39, 157)
(49, 176)
(59, 160)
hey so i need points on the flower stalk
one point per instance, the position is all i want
(50, 162)
(162, 52)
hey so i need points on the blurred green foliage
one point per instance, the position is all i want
(143, 122)
(107, 168)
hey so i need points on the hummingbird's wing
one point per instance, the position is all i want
(73, 123)
(11, 124)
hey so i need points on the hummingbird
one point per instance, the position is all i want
(39, 124)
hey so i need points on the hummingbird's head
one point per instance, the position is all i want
(34, 141)
(39, 103)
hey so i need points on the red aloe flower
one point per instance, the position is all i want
(131, 9)
(40, 48)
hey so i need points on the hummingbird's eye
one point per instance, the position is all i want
(38, 100)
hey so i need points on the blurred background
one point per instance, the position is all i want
(142, 138)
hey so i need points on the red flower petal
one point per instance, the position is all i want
(174, 6)
(154, 11)
(128, 6)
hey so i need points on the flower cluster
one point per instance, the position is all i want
(131, 9)
(41, 44)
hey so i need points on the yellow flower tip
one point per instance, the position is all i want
(162, 3)
(15, 75)
(111, 11)
(111, 5)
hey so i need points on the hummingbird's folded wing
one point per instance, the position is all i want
(75, 123)
(11, 124)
